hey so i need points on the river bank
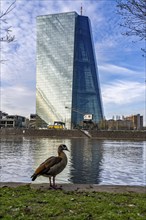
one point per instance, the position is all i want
(99, 134)
(25, 202)
(80, 187)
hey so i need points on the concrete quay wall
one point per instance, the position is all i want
(133, 135)
(119, 134)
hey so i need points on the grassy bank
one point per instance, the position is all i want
(24, 202)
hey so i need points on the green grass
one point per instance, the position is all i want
(26, 203)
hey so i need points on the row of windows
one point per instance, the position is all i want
(54, 66)
(86, 96)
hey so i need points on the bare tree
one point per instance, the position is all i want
(5, 30)
(133, 14)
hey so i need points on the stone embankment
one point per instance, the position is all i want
(129, 135)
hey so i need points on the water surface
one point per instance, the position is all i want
(89, 160)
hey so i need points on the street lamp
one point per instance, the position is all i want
(75, 110)
(86, 117)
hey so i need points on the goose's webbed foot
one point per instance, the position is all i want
(55, 187)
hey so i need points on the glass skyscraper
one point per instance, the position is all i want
(67, 81)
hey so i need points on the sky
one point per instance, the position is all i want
(121, 65)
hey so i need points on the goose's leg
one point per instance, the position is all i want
(50, 182)
(55, 186)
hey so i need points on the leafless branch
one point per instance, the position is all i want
(5, 36)
(133, 13)
(9, 9)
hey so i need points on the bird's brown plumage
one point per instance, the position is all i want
(52, 166)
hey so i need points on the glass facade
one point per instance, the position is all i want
(86, 89)
(67, 81)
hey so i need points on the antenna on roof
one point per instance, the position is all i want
(81, 9)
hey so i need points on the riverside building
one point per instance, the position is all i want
(67, 84)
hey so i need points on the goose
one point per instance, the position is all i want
(52, 166)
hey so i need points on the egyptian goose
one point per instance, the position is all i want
(52, 166)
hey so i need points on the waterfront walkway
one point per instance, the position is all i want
(82, 187)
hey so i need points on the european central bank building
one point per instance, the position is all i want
(67, 83)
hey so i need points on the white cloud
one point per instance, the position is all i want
(18, 100)
(114, 72)
(110, 68)
(123, 92)
(124, 98)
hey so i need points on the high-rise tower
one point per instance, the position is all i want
(67, 77)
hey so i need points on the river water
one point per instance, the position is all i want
(92, 161)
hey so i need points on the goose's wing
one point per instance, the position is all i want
(47, 164)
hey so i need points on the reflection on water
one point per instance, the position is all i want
(86, 161)
(89, 160)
